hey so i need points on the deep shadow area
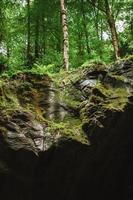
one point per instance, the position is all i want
(73, 171)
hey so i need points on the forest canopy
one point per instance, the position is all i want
(40, 34)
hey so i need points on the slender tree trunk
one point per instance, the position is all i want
(44, 36)
(96, 14)
(38, 20)
(61, 36)
(1, 24)
(85, 27)
(59, 44)
(131, 24)
(8, 51)
(101, 39)
(114, 35)
(37, 38)
(80, 44)
(65, 35)
(28, 34)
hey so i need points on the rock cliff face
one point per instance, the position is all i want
(69, 138)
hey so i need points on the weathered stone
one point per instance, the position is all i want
(38, 160)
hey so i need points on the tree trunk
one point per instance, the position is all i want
(96, 19)
(37, 38)
(8, 51)
(131, 25)
(1, 24)
(80, 44)
(80, 47)
(59, 44)
(114, 35)
(85, 27)
(44, 37)
(65, 35)
(28, 34)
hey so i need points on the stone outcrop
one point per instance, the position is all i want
(43, 151)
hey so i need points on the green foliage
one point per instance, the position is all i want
(51, 58)
(43, 69)
(70, 128)
(84, 22)
(3, 60)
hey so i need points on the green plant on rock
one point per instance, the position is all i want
(70, 128)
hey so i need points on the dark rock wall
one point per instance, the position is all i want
(71, 170)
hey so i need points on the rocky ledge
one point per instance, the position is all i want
(68, 137)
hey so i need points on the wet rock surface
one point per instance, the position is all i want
(37, 164)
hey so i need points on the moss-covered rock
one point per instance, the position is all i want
(68, 136)
(65, 102)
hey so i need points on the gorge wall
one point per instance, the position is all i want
(69, 138)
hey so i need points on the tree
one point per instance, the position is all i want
(65, 34)
(37, 26)
(114, 35)
(104, 6)
(36, 31)
(28, 34)
(85, 26)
